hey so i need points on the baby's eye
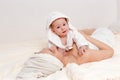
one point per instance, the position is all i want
(64, 24)
(58, 27)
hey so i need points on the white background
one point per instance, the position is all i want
(23, 20)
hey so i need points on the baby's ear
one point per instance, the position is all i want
(52, 30)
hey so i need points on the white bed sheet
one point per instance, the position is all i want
(12, 57)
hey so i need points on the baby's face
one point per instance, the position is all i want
(60, 27)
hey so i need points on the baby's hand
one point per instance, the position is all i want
(82, 49)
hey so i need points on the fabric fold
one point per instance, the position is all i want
(40, 65)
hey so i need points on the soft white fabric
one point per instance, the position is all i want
(53, 16)
(12, 57)
(105, 35)
(72, 35)
(115, 27)
(39, 65)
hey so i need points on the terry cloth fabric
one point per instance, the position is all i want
(104, 35)
(73, 34)
(39, 65)
(115, 27)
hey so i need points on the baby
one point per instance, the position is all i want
(62, 35)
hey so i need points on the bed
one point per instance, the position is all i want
(13, 56)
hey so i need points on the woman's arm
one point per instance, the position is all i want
(99, 44)
(96, 42)
(91, 55)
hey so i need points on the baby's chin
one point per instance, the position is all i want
(64, 35)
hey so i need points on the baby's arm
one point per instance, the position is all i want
(79, 39)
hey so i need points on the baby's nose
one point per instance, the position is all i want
(63, 28)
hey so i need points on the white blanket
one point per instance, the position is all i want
(13, 56)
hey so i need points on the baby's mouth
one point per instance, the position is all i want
(64, 31)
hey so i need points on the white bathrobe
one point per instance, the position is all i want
(72, 36)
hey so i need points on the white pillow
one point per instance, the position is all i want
(115, 27)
